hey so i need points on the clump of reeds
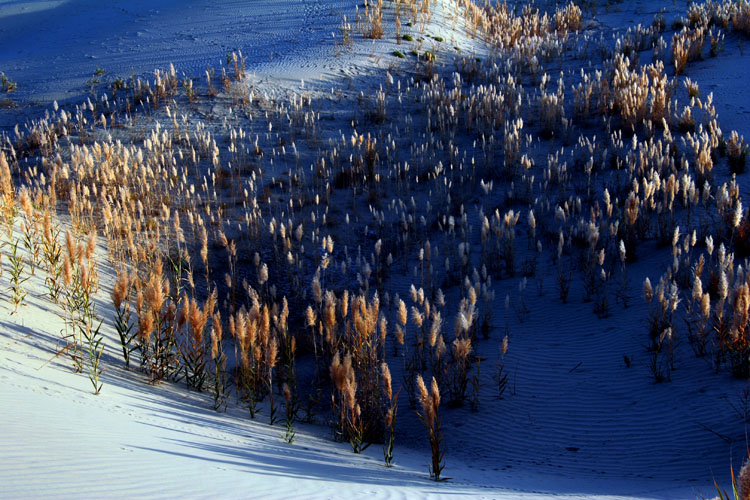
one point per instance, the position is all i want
(390, 415)
(349, 424)
(662, 302)
(372, 24)
(52, 254)
(81, 283)
(156, 311)
(737, 151)
(568, 19)
(220, 385)
(17, 278)
(289, 433)
(430, 417)
(121, 296)
(687, 45)
(194, 349)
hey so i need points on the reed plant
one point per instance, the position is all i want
(429, 415)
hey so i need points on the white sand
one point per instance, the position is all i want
(579, 423)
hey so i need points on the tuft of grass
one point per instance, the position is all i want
(6, 84)
(17, 269)
(398, 54)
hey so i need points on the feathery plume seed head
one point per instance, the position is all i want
(435, 327)
(263, 274)
(422, 394)
(387, 382)
(70, 246)
(648, 291)
(67, 270)
(91, 245)
(416, 317)
(120, 290)
(435, 395)
(399, 335)
(316, 289)
(743, 482)
(272, 352)
(402, 314)
(440, 347)
(216, 333)
(145, 326)
(337, 374)
(383, 327)
(706, 305)
(309, 317)
(25, 202)
(723, 285)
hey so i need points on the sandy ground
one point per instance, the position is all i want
(579, 423)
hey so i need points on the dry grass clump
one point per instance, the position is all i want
(360, 405)
(568, 19)
(687, 45)
(371, 22)
(551, 108)
(737, 150)
(741, 18)
(641, 94)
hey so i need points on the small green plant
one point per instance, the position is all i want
(118, 85)
(407, 37)
(6, 84)
(289, 434)
(29, 237)
(94, 342)
(398, 54)
(52, 253)
(81, 283)
(17, 267)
